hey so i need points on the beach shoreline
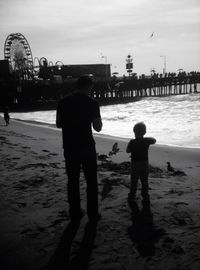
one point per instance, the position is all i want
(34, 208)
(165, 119)
(101, 135)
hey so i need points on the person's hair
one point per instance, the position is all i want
(84, 81)
(139, 129)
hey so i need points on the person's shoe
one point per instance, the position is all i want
(77, 217)
(145, 199)
(131, 198)
(95, 219)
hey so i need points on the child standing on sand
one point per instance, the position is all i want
(138, 148)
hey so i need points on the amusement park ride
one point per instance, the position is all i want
(29, 82)
(17, 52)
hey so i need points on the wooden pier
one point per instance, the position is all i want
(133, 89)
(44, 95)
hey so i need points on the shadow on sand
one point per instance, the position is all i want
(142, 231)
(80, 261)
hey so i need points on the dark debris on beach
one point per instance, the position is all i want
(124, 168)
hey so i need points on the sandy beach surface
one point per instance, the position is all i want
(35, 229)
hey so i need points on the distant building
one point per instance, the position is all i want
(99, 71)
(4, 69)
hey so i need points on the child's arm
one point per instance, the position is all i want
(151, 140)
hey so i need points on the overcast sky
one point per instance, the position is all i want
(80, 31)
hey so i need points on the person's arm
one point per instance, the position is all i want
(97, 124)
(96, 121)
(58, 118)
(128, 148)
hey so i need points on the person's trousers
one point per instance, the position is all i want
(140, 170)
(85, 160)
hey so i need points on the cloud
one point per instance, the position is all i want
(182, 16)
(77, 30)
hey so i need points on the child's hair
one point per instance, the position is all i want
(139, 129)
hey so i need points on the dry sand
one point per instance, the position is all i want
(34, 231)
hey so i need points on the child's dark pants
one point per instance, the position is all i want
(139, 170)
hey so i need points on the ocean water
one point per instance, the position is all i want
(172, 120)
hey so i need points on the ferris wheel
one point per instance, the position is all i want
(18, 52)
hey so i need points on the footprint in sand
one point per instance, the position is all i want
(180, 203)
(108, 186)
(48, 203)
(53, 154)
(21, 204)
(33, 232)
(34, 181)
(57, 222)
(43, 157)
(32, 165)
(26, 147)
(181, 218)
(174, 191)
(2, 138)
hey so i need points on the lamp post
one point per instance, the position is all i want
(165, 64)
(105, 57)
(180, 70)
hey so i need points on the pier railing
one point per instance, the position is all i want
(128, 89)
(43, 95)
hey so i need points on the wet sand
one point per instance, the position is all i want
(35, 228)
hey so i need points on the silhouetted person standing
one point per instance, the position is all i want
(76, 115)
(6, 116)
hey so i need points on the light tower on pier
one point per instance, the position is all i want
(129, 64)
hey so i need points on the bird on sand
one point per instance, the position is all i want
(173, 171)
(169, 167)
(115, 149)
(103, 157)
